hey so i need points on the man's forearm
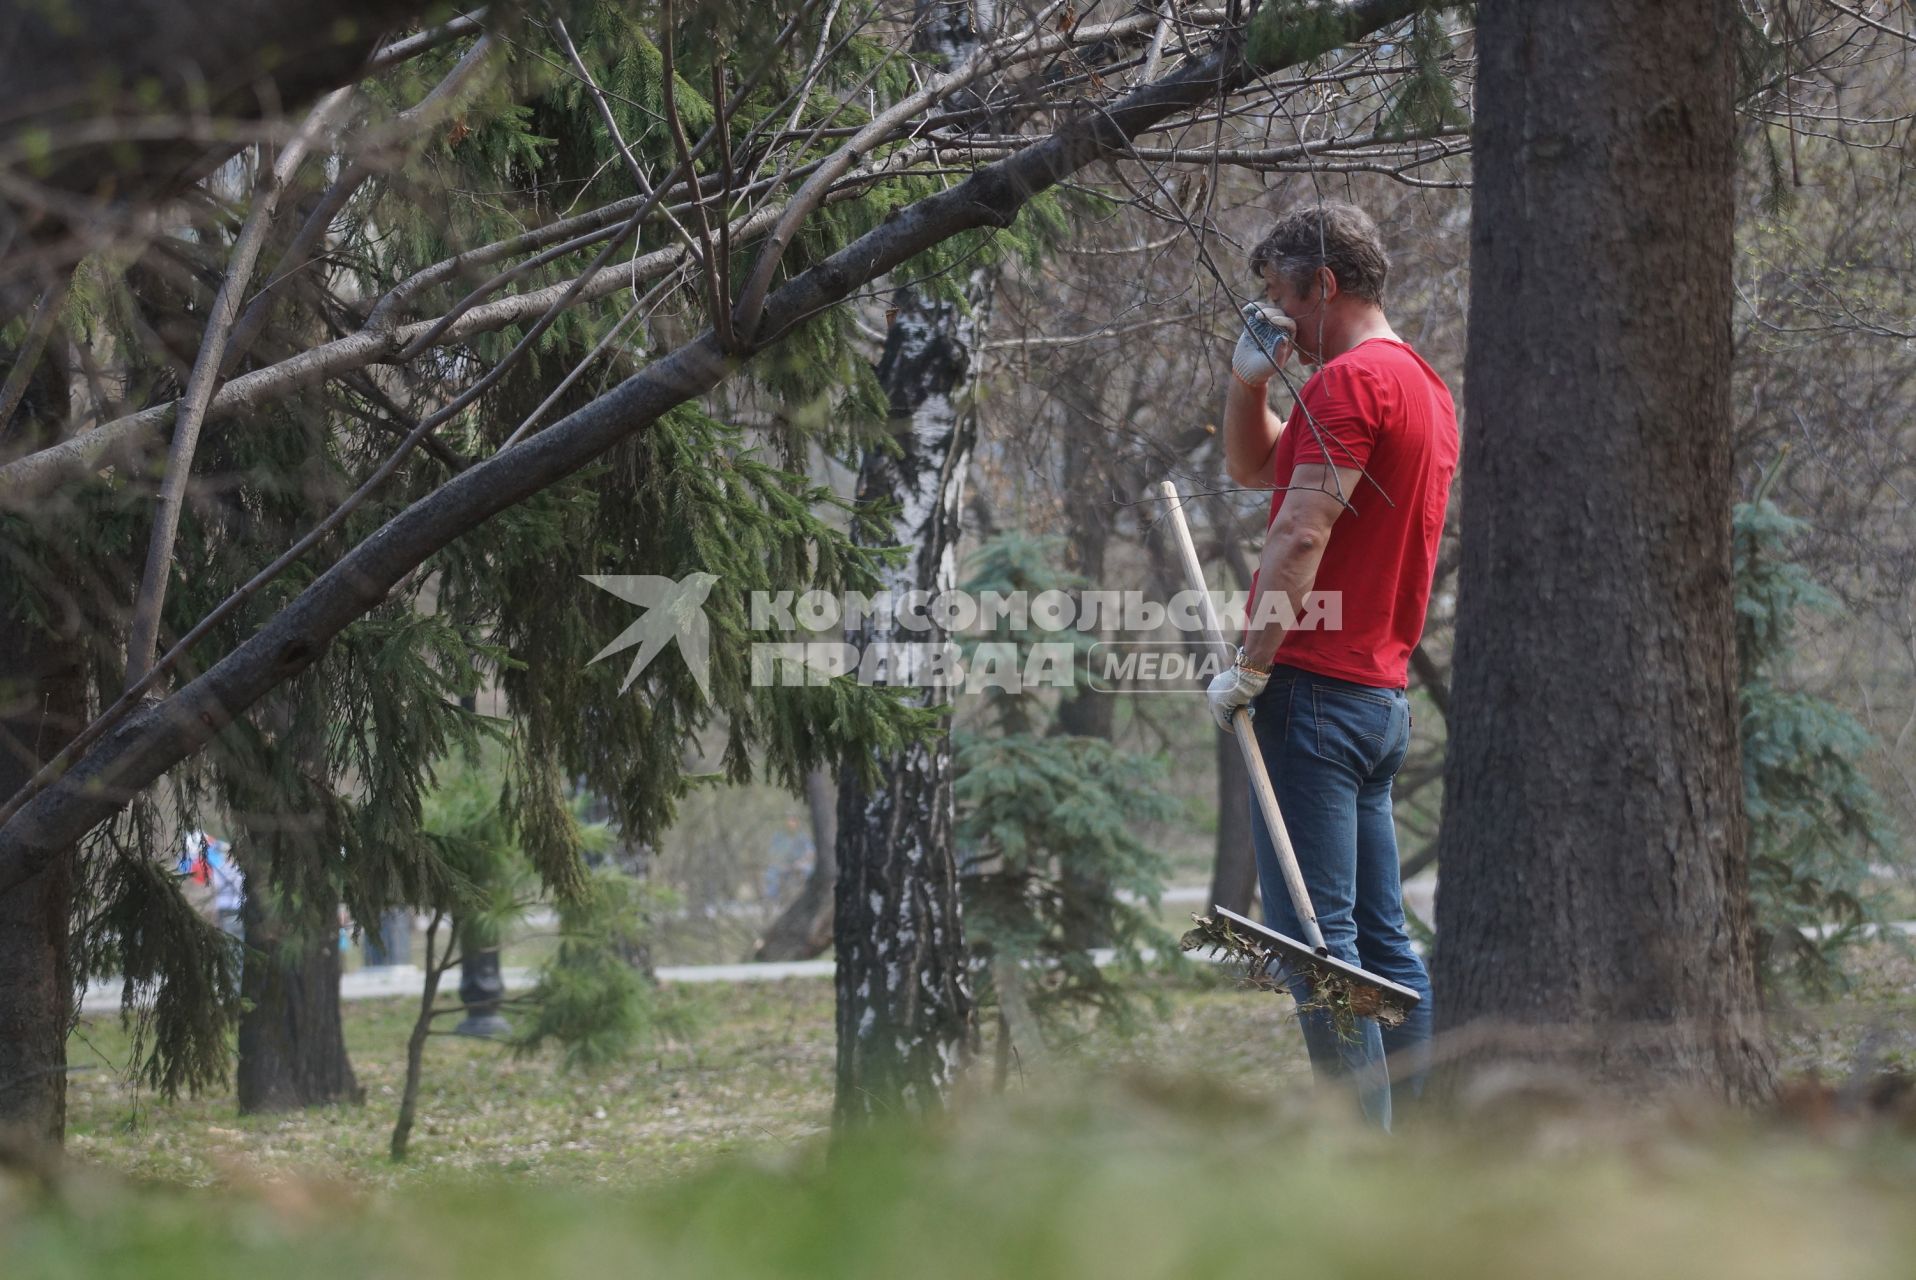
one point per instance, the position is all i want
(1250, 433)
(1288, 567)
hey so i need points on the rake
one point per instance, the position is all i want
(1341, 989)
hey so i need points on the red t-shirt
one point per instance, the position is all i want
(1379, 407)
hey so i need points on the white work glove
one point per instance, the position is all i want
(1267, 333)
(1232, 688)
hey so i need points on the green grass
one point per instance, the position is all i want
(754, 1075)
(1193, 1147)
(757, 1072)
(1140, 1175)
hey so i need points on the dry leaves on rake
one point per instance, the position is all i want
(1332, 993)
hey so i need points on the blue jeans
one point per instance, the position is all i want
(1331, 749)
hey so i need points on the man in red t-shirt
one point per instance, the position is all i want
(1362, 473)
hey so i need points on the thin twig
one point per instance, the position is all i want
(1027, 44)
(611, 122)
(717, 303)
(46, 313)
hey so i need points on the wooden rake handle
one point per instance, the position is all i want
(1246, 738)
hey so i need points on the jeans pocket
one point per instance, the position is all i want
(1353, 728)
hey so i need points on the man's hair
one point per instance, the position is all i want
(1328, 234)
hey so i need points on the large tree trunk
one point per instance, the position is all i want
(1595, 894)
(292, 1048)
(804, 929)
(906, 1019)
(1234, 861)
(42, 705)
(35, 994)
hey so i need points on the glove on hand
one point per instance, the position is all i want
(1232, 688)
(1267, 333)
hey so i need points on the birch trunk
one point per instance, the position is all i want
(906, 1019)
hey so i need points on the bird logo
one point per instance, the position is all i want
(673, 611)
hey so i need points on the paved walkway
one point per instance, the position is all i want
(388, 981)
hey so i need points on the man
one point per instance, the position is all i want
(1362, 473)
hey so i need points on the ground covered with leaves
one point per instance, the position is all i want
(1190, 1146)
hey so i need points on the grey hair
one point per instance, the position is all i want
(1329, 234)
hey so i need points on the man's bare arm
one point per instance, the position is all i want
(1250, 435)
(1293, 549)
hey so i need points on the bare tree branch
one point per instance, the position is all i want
(445, 97)
(37, 826)
(145, 626)
(46, 313)
(412, 46)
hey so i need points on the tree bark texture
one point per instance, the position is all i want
(1234, 861)
(1595, 903)
(906, 1017)
(43, 704)
(292, 1047)
(42, 698)
(1233, 857)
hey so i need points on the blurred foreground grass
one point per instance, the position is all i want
(1188, 1148)
(1149, 1177)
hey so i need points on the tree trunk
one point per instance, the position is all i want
(35, 999)
(804, 928)
(42, 705)
(1234, 865)
(436, 966)
(1233, 857)
(906, 1019)
(1085, 713)
(292, 1048)
(1595, 896)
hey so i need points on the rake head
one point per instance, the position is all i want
(1342, 990)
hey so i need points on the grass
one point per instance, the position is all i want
(758, 1072)
(1191, 1147)
(1139, 1176)
(754, 1075)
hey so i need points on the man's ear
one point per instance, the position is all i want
(1326, 284)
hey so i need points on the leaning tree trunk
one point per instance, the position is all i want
(1595, 895)
(292, 1047)
(804, 929)
(906, 1019)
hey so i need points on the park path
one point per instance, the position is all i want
(387, 981)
